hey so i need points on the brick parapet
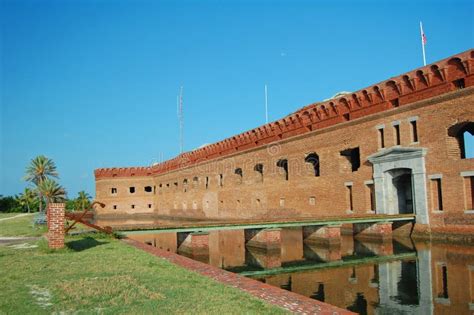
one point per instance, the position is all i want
(420, 84)
(122, 172)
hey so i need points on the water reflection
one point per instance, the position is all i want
(398, 277)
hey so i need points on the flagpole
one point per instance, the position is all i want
(423, 43)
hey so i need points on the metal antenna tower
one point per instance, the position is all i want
(266, 104)
(179, 101)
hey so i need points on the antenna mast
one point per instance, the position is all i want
(180, 117)
(266, 105)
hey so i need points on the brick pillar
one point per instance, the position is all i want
(200, 241)
(266, 238)
(421, 232)
(379, 232)
(329, 235)
(55, 217)
(196, 243)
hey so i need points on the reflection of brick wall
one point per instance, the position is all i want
(195, 243)
(56, 225)
(428, 95)
(200, 240)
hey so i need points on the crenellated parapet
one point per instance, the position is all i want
(122, 172)
(426, 82)
(423, 83)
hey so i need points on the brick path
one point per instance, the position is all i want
(285, 299)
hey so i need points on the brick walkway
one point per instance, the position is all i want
(288, 300)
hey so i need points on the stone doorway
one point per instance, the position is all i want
(400, 182)
(402, 192)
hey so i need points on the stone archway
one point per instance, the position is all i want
(399, 173)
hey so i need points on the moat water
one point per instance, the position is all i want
(401, 277)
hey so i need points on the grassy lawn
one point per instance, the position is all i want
(22, 226)
(99, 274)
(8, 215)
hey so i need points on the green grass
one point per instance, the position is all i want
(99, 274)
(22, 226)
(8, 215)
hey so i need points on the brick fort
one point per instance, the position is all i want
(396, 147)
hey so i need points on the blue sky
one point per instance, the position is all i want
(93, 83)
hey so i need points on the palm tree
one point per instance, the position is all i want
(52, 191)
(83, 200)
(27, 198)
(40, 169)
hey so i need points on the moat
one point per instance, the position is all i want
(396, 277)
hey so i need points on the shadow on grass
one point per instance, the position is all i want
(83, 244)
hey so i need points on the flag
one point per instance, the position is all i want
(423, 36)
(423, 43)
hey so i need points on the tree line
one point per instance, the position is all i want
(41, 174)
